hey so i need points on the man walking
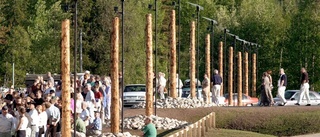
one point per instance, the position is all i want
(304, 88)
(179, 86)
(206, 89)
(282, 83)
(216, 81)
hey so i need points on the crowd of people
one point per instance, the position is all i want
(37, 112)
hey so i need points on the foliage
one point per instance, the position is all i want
(288, 32)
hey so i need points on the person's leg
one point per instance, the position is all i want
(307, 93)
(302, 91)
(281, 94)
(180, 92)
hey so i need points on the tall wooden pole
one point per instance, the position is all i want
(65, 75)
(230, 78)
(115, 119)
(193, 59)
(239, 79)
(246, 74)
(208, 71)
(208, 64)
(254, 75)
(149, 67)
(173, 56)
(221, 65)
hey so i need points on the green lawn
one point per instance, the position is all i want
(233, 133)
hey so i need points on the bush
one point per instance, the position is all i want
(279, 121)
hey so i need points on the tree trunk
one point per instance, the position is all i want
(149, 67)
(115, 77)
(246, 74)
(173, 59)
(230, 78)
(193, 59)
(239, 79)
(65, 75)
(254, 75)
(221, 65)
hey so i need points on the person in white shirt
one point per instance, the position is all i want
(23, 123)
(33, 117)
(90, 100)
(179, 86)
(53, 114)
(43, 117)
(7, 124)
(162, 85)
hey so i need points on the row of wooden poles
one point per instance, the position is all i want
(115, 118)
(199, 128)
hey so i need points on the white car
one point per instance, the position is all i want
(292, 97)
(134, 94)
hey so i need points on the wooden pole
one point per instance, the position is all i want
(208, 65)
(208, 56)
(173, 59)
(221, 65)
(193, 59)
(230, 78)
(239, 79)
(115, 119)
(65, 75)
(246, 74)
(149, 67)
(254, 75)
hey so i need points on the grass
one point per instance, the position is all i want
(277, 121)
(233, 133)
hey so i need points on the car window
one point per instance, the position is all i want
(288, 95)
(312, 96)
(135, 88)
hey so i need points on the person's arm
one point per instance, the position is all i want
(58, 119)
(20, 123)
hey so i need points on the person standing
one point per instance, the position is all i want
(53, 114)
(269, 87)
(206, 89)
(216, 81)
(23, 123)
(162, 85)
(282, 83)
(33, 118)
(7, 124)
(304, 88)
(149, 130)
(179, 86)
(263, 95)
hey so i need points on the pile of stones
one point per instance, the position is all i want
(177, 103)
(137, 123)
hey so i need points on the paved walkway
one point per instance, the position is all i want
(309, 135)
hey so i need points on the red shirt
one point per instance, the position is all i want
(97, 95)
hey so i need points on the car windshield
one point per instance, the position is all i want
(289, 94)
(137, 88)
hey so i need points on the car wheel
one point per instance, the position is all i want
(249, 105)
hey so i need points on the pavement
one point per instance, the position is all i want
(309, 135)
